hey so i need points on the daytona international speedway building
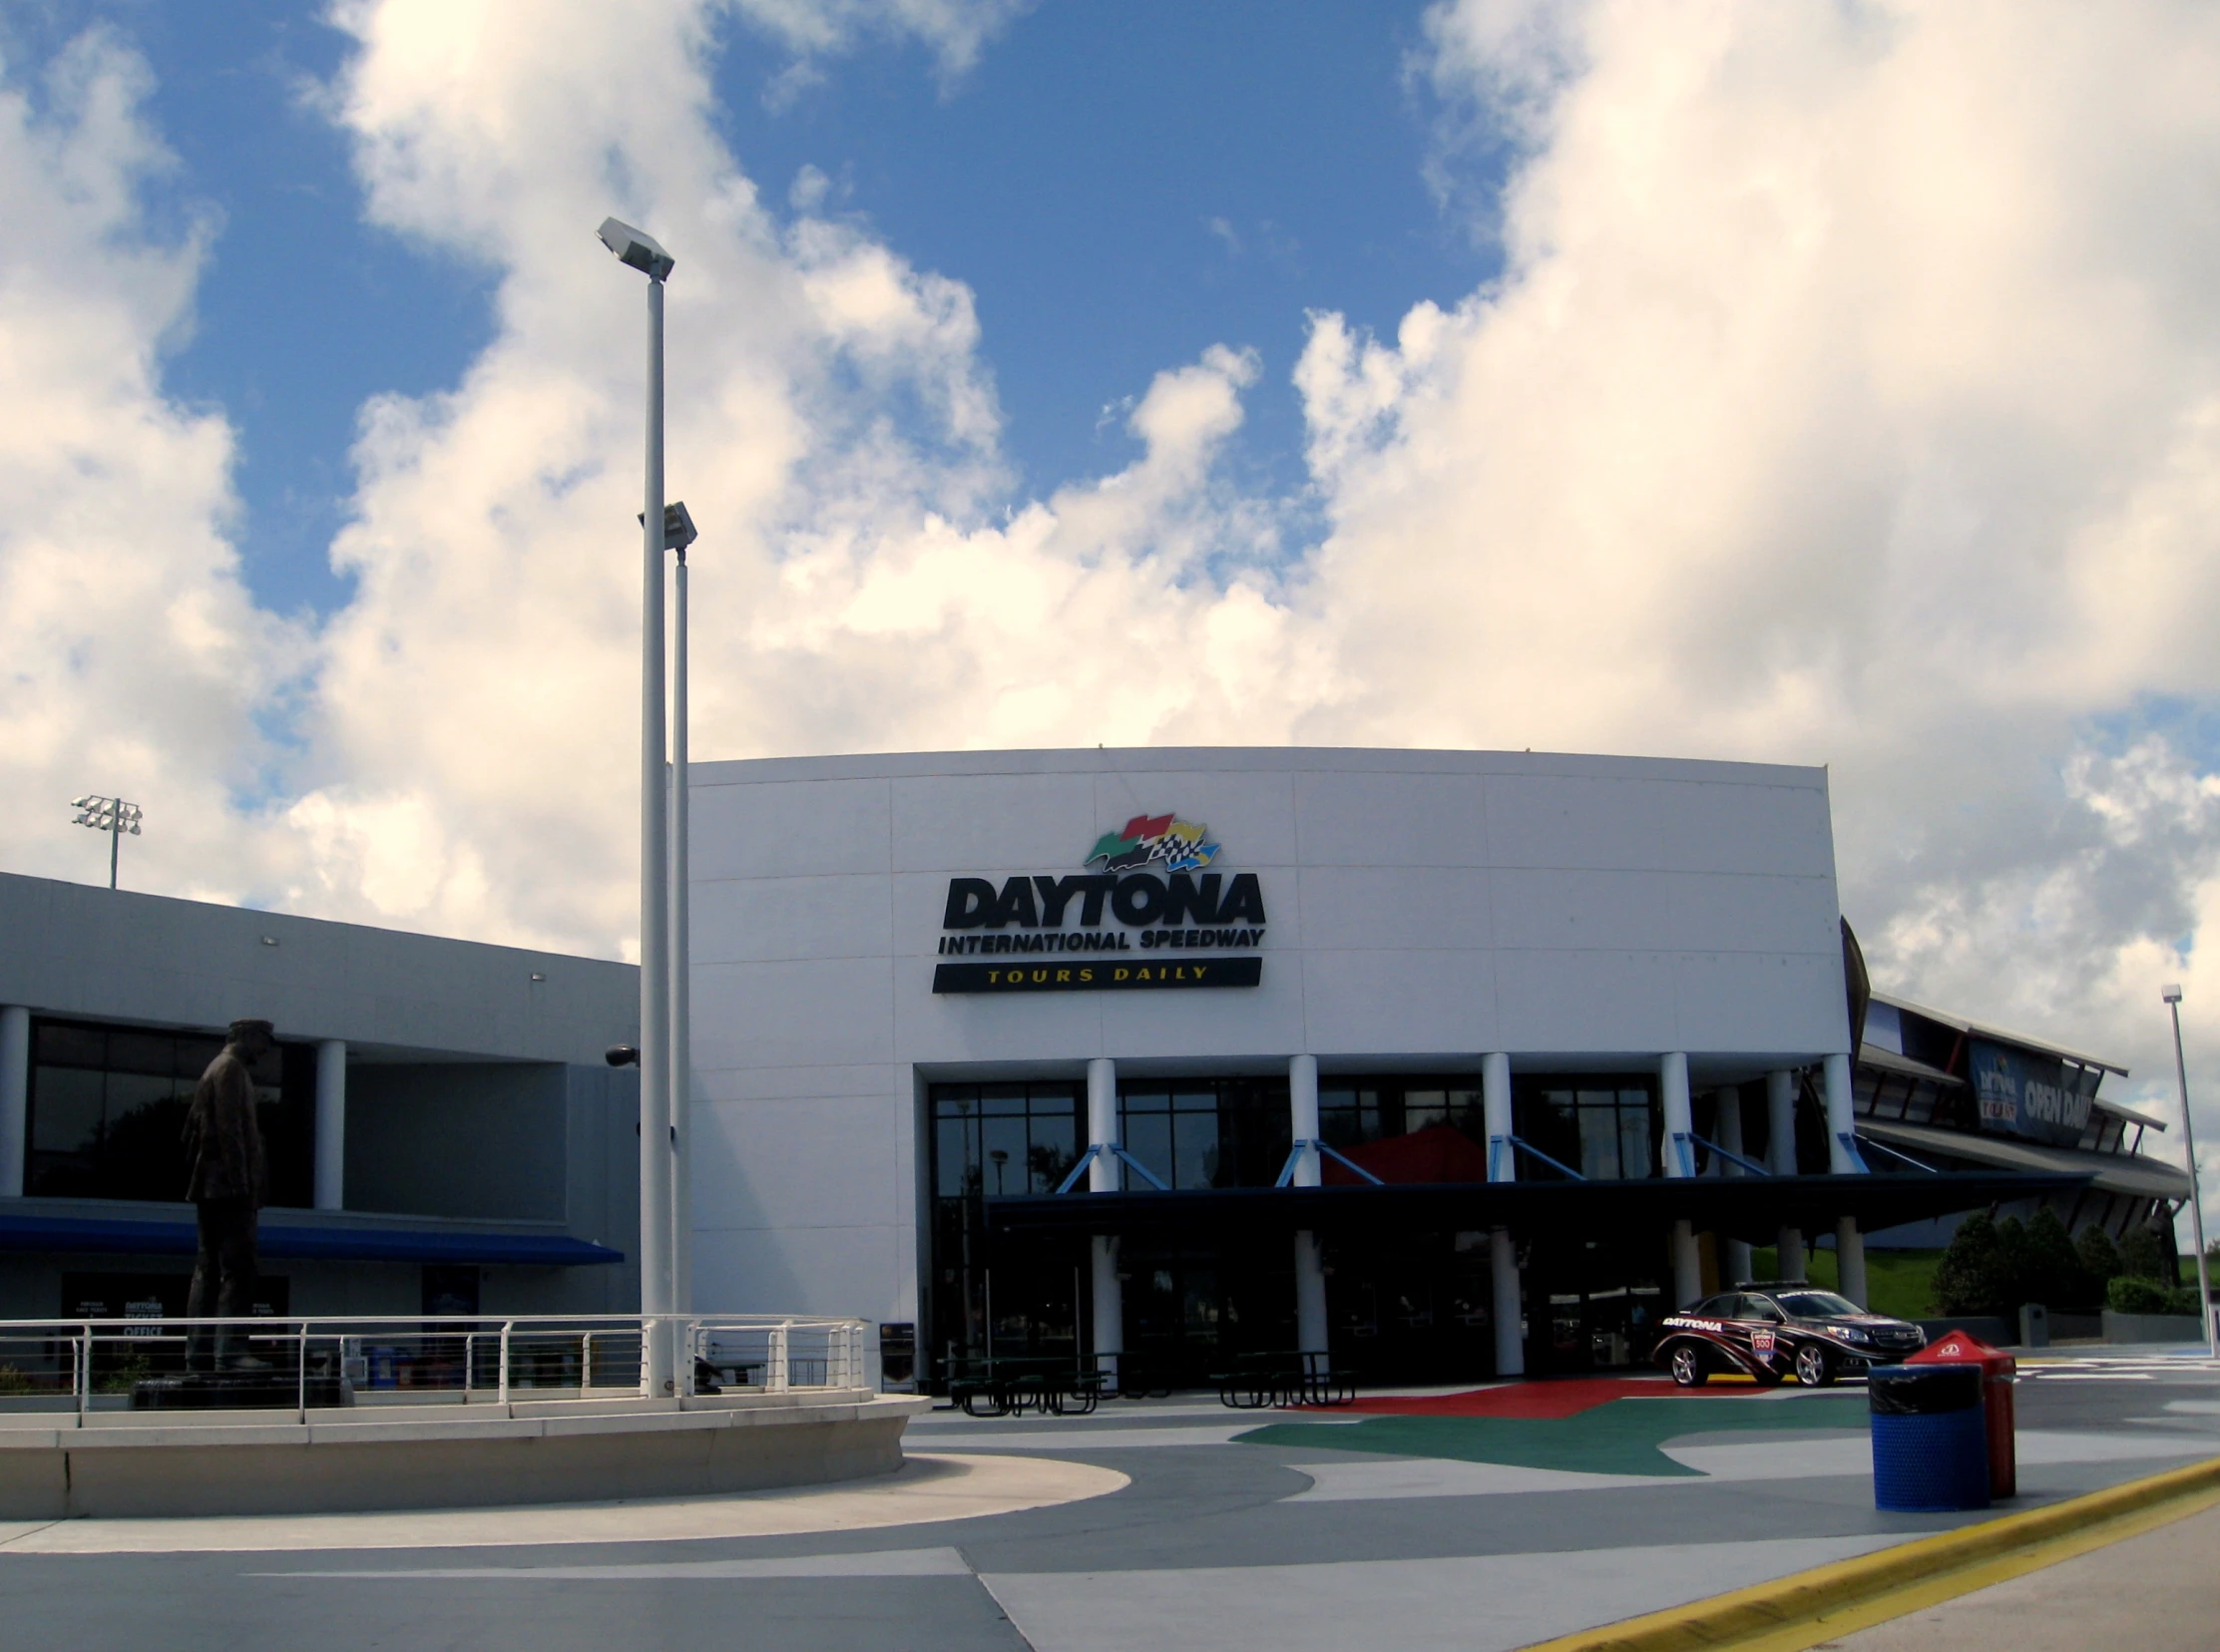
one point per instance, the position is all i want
(1440, 1063)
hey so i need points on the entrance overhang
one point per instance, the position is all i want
(1743, 1207)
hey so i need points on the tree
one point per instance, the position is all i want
(2142, 1257)
(2053, 1272)
(2100, 1258)
(1970, 1278)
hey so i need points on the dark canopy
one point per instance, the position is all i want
(1754, 1208)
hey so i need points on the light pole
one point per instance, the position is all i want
(679, 532)
(2172, 994)
(639, 250)
(113, 816)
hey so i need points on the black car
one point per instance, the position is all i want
(1766, 1331)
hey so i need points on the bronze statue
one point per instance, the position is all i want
(227, 1183)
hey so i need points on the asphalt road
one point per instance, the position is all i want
(1477, 1533)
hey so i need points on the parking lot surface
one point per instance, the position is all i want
(1481, 1521)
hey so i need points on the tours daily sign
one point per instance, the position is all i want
(1147, 890)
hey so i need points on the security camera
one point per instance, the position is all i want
(620, 1055)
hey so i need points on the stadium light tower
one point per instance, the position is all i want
(2172, 994)
(113, 816)
(637, 249)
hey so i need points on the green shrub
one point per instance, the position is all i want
(2050, 1268)
(2130, 1295)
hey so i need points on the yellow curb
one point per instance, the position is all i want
(1794, 1612)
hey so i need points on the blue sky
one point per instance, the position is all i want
(1122, 186)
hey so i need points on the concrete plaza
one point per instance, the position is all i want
(1478, 1524)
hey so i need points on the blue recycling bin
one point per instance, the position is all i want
(1930, 1438)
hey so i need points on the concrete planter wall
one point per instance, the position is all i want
(1991, 1329)
(2151, 1328)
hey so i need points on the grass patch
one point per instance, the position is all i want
(1899, 1282)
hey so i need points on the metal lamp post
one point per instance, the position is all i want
(679, 532)
(113, 816)
(639, 250)
(2172, 994)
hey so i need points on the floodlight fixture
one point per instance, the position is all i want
(113, 816)
(679, 531)
(637, 249)
(2171, 991)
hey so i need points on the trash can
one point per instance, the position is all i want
(1929, 1446)
(1998, 1368)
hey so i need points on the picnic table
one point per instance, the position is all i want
(1279, 1379)
(1011, 1387)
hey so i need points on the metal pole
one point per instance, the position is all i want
(115, 842)
(2196, 1193)
(655, 904)
(682, 981)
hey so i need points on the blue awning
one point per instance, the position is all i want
(109, 1236)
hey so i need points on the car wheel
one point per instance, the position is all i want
(1687, 1366)
(1815, 1368)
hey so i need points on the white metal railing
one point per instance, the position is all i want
(305, 1363)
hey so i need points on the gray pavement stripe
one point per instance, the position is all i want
(1483, 1603)
(919, 1562)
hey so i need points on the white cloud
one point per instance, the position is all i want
(1850, 394)
(135, 663)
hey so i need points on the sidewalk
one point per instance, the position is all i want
(2156, 1592)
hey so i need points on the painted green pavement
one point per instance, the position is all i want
(1622, 1438)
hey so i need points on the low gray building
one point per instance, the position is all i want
(443, 1132)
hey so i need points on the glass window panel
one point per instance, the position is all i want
(1195, 1102)
(1146, 1100)
(191, 1056)
(1148, 1139)
(66, 1111)
(1633, 1141)
(1054, 1149)
(141, 1053)
(953, 1169)
(78, 1046)
(1002, 1143)
(1599, 1143)
(1195, 1149)
(1423, 1109)
(1002, 1098)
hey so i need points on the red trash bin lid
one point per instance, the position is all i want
(1964, 1348)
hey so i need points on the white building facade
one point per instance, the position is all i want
(932, 990)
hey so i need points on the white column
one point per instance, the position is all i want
(1780, 1157)
(1734, 1254)
(1103, 1177)
(1312, 1337)
(1502, 1256)
(331, 1123)
(1850, 1260)
(1677, 1153)
(1842, 1117)
(15, 1097)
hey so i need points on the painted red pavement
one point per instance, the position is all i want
(1534, 1401)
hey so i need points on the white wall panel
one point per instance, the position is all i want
(991, 824)
(1357, 819)
(767, 918)
(1365, 907)
(1574, 910)
(807, 828)
(837, 1011)
(1387, 1003)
